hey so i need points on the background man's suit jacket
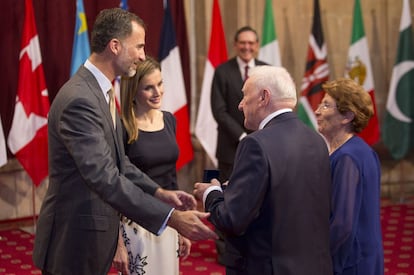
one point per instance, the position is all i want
(90, 182)
(226, 95)
(275, 210)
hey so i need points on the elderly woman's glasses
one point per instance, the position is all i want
(325, 106)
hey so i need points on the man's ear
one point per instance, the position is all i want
(115, 46)
(265, 95)
(264, 98)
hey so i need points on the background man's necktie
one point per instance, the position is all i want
(112, 107)
(246, 72)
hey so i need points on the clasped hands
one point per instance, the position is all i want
(185, 219)
(201, 187)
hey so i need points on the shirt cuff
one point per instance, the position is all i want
(242, 136)
(208, 190)
(164, 225)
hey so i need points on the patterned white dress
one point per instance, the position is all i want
(155, 153)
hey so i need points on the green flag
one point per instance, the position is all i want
(359, 69)
(269, 48)
(398, 127)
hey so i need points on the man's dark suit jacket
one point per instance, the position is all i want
(90, 182)
(275, 210)
(226, 95)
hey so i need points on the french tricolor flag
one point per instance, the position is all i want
(175, 100)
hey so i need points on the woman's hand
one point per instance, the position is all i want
(184, 247)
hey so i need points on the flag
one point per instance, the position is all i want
(359, 69)
(175, 100)
(269, 48)
(206, 125)
(180, 24)
(316, 73)
(398, 127)
(27, 139)
(3, 152)
(123, 4)
(80, 50)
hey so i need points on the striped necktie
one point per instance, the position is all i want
(112, 107)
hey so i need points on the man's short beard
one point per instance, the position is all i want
(131, 73)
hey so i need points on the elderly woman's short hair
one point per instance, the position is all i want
(351, 97)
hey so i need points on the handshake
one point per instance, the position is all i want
(185, 219)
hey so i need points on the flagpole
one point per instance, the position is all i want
(34, 208)
(401, 198)
(193, 79)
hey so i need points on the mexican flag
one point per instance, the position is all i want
(359, 69)
(398, 126)
(269, 47)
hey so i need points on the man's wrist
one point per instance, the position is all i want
(208, 190)
(158, 193)
(172, 218)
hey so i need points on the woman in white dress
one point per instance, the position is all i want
(150, 144)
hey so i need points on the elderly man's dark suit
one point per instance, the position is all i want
(275, 210)
(90, 182)
(226, 95)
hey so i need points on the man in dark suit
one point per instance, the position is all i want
(226, 94)
(225, 97)
(275, 208)
(91, 180)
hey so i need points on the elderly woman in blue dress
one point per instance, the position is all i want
(355, 228)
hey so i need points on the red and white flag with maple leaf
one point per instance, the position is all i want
(27, 139)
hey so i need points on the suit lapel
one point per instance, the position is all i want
(118, 139)
(97, 92)
(235, 71)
